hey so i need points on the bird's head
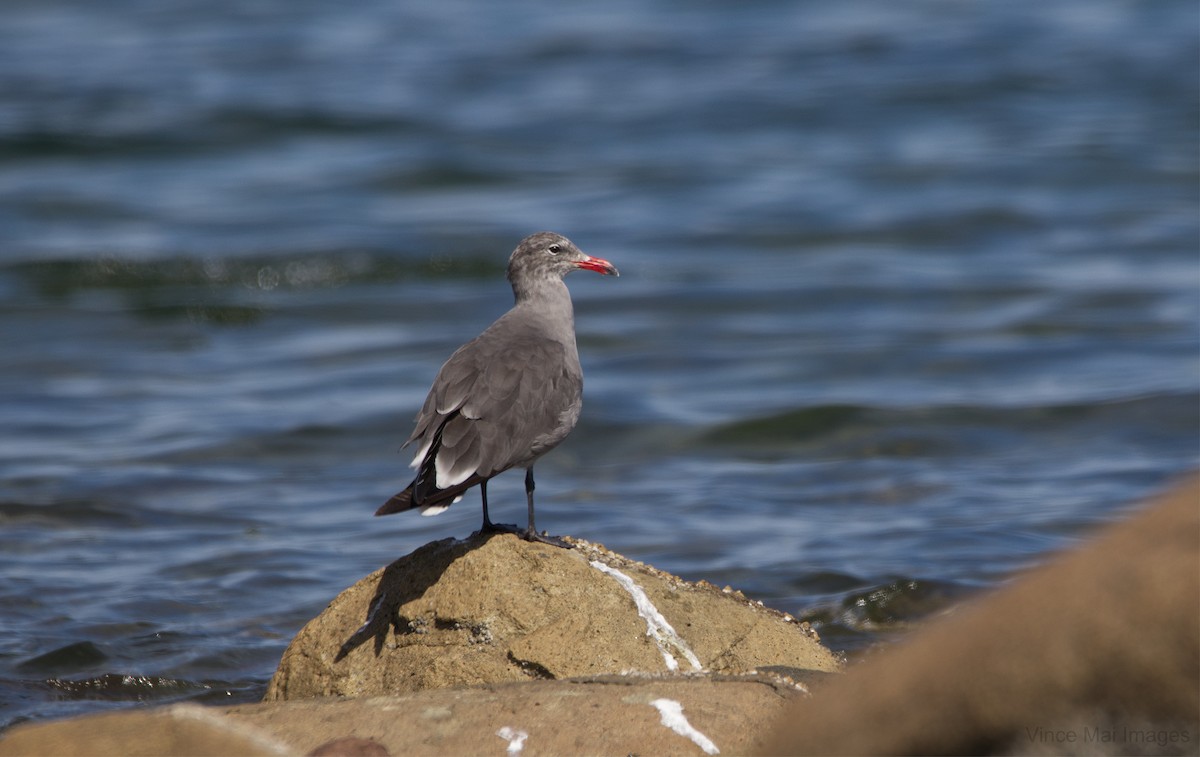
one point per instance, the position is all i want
(547, 255)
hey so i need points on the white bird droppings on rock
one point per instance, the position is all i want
(514, 737)
(657, 626)
(672, 716)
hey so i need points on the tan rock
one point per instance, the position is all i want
(619, 715)
(180, 731)
(614, 717)
(1097, 652)
(487, 610)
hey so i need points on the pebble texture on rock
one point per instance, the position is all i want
(495, 609)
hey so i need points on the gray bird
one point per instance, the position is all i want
(509, 395)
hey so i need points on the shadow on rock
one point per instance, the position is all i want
(400, 583)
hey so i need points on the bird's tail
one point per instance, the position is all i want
(399, 503)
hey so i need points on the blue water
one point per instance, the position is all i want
(910, 298)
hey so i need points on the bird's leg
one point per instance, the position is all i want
(531, 533)
(488, 527)
(529, 487)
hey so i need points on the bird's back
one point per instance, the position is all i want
(502, 400)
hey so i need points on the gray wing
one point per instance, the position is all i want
(501, 400)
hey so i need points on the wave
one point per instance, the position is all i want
(948, 429)
(851, 621)
(318, 269)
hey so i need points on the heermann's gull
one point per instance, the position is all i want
(509, 395)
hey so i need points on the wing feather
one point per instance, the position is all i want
(501, 400)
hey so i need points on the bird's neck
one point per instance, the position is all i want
(544, 293)
(551, 300)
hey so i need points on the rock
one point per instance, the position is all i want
(184, 729)
(350, 746)
(488, 610)
(1097, 652)
(613, 716)
(617, 715)
(568, 652)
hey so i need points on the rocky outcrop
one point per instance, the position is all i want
(1097, 652)
(617, 715)
(496, 609)
(178, 730)
(497, 646)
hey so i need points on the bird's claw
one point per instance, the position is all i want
(501, 528)
(545, 538)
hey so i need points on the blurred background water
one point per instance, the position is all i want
(910, 297)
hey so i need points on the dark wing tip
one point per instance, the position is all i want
(397, 504)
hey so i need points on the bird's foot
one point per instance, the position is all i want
(528, 534)
(500, 528)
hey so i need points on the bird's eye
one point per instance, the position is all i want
(555, 248)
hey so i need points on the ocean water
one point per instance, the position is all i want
(910, 298)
